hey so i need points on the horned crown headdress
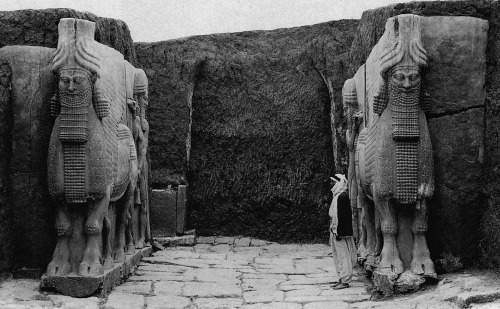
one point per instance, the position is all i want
(407, 50)
(75, 48)
(140, 82)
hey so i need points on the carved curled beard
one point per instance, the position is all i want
(75, 98)
(399, 96)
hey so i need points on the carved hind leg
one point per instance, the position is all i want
(421, 262)
(368, 221)
(106, 233)
(389, 257)
(60, 266)
(91, 262)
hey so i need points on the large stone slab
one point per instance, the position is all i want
(78, 286)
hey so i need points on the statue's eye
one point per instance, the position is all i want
(65, 79)
(414, 76)
(78, 80)
(399, 76)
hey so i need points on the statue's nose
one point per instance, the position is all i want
(71, 86)
(406, 83)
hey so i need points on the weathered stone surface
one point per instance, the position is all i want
(273, 305)
(242, 242)
(120, 300)
(167, 302)
(209, 289)
(168, 288)
(262, 296)
(250, 113)
(135, 287)
(327, 304)
(213, 303)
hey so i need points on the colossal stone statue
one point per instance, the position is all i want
(141, 134)
(97, 151)
(394, 166)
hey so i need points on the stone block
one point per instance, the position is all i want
(181, 208)
(167, 302)
(209, 289)
(163, 212)
(118, 300)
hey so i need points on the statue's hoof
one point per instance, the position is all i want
(58, 269)
(108, 263)
(96, 269)
(140, 244)
(119, 256)
(416, 267)
(86, 270)
(83, 269)
(130, 249)
(429, 270)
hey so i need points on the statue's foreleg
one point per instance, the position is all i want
(107, 250)
(389, 257)
(60, 265)
(91, 264)
(421, 262)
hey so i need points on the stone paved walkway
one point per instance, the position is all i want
(228, 272)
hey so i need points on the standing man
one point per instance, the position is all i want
(341, 234)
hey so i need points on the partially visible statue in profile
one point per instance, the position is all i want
(393, 165)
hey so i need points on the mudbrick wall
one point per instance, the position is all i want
(244, 118)
(27, 235)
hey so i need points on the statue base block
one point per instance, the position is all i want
(78, 286)
(390, 283)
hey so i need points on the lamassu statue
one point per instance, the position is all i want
(92, 162)
(393, 155)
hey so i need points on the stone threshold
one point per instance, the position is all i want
(78, 286)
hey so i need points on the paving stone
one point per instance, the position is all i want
(163, 268)
(286, 288)
(306, 280)
(274, 305)
(174, 254)
(321, 298)
(167, 302)
(265, 276)
(119, 300)
(202, 247)
(258, 243)
(24, 304)
(224, 240)
(213, 275)
(492, 305)
(135, 287)
(213, 303)
(209, 289)
(247, 251)
(327, 305)
(155, 277)
(19, 289)
(260, 284)
(221, 248)
(68, 302)
(197, 263)
(307, 291)
(213, 256)
(434, 304)
(168, 288)
(205, 240)
(272, 261)
(242, 242)
(262, 296)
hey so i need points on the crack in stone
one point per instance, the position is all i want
(451, 113)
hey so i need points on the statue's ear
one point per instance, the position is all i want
(425, 100)
(380, 99)
(101, 103)
(55, 104)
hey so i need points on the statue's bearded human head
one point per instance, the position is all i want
(405, 78)
(75, 86)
